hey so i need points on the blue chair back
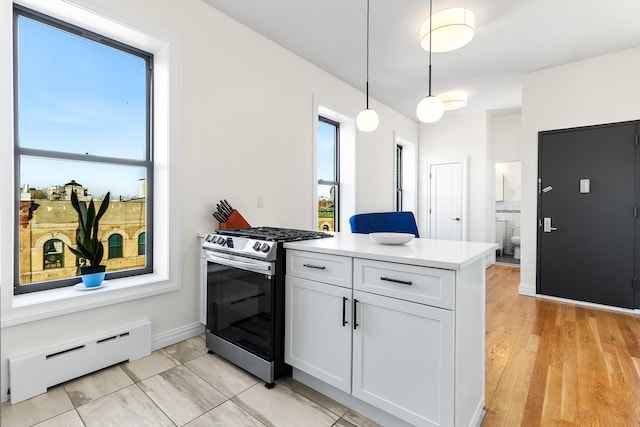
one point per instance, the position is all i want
(384, 222)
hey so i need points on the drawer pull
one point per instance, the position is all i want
(402, 282)
(355, 322)
(344, 310)
(317, 267)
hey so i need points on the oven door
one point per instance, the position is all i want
(240, 295)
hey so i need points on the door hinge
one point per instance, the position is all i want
(635, 212)
(636, 143)
(539, 185)
(634, 283)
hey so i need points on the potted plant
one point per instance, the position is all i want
(89, 247)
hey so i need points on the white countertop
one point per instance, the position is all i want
(446, 254)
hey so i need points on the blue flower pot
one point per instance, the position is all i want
(92, 277)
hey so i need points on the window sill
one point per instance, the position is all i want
(55, 302)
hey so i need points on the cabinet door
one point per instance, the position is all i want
(403, 358)
(318, 330)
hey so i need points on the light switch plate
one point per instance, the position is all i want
(585, 186)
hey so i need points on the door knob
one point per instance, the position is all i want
(546, 225)
(455, 219)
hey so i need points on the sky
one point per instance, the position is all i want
(326, 147)
(79, 96)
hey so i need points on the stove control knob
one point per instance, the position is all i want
(256, 246)
(265, 247)
(220, 240)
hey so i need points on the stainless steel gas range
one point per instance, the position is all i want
(245, 296)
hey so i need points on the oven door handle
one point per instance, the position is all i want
(255, 267)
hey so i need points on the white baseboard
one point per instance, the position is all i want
(165, 339)
(526, 289)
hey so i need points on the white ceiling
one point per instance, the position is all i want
(513, 37)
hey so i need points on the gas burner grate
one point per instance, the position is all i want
(274, 234)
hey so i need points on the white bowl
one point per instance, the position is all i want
(392, 238)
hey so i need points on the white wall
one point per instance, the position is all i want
(604, 89)
(247, 130)
(504, 137)
(454, 139)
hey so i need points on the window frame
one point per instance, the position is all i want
(167, 46)
(399, 177)
(19, 152)
(336, 171)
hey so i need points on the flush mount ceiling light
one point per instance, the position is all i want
(453, 100)
(430, 109)
(447, 30)
(367, 120)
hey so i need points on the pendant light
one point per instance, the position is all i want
(450, 29)
(367, 119)
(430, 109)
(453, 100)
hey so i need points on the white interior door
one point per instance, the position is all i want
(446, 221)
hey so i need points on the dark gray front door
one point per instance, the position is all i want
(586, 249)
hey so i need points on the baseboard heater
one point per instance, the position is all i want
(32, 373)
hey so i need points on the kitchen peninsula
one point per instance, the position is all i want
(395, 332)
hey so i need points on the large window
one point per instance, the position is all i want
(328, 174)
(82, 123)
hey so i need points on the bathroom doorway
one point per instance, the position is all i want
(507, 211)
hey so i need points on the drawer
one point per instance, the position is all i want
(424, 285)
(325, 268)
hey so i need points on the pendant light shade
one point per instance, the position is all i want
(367, 119)
(430, 109)
(447, 30)
(453, 100)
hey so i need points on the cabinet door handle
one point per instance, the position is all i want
(402, 282)
(317, 267)
(355, 322)
(344, 310)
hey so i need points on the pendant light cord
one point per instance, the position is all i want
(367, 84)
(430, 38)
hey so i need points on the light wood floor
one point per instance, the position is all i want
(557, 364)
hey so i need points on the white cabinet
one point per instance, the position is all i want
(418, 349)
(318, 301)
(318, 330)
(403, 359)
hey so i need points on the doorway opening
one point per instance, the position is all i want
(507, 211)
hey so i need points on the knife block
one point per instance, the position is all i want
(235, 220)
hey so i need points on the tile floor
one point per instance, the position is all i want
(180, 385)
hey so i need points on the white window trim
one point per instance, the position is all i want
(102, 18)
(347, 162)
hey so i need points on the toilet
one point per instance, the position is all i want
(515, 239)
